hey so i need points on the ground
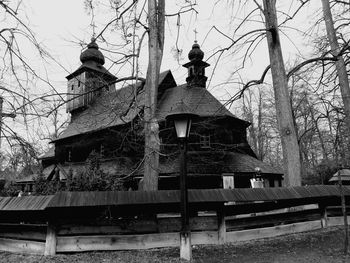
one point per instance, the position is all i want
(321, 246)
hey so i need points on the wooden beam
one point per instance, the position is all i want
(336, 220)
(131, 242)
(22, 246)
(116, 242)
(266, 232)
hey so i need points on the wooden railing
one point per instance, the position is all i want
(161, 230)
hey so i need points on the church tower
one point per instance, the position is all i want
(90, 80)
(196, 67)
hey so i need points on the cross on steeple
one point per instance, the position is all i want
(195, 35)
(93, 29)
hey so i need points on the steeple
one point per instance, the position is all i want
(196, 67)
(89, 81)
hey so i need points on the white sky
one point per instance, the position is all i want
(59, 25)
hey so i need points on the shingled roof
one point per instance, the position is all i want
(111, 109)
(198, 99)
(120, 106)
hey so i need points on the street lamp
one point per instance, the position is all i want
(182, 118)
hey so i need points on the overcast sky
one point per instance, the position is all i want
(61, 25)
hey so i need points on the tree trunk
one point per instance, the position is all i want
(342, 75)
(340, 65)
(155, 53)
(291, 155)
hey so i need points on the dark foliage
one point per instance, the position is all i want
(91, 178)
(321, 174)
(9, 189)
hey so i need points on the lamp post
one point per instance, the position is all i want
(182, 118)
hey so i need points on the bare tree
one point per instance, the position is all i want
(287, 129)
(340, 63)
(156, 19)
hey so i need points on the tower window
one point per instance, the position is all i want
(204, 141)
(78, 83)
(72, 87)
(190, 73)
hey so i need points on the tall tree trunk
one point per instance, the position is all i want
(260, 138)
(340, 64)
(156, 18)
(291, 155)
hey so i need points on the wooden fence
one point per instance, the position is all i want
(161, 230)
(85, 221)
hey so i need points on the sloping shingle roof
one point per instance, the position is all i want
(110, 109)
(25, 203)
(198, 99)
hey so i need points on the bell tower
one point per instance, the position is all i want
(89, 81)
(196, 67)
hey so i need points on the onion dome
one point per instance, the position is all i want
(92, 54)
(196, 53)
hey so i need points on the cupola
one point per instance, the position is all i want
(92, 54)
(196, 67)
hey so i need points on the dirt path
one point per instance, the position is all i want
(321, 246)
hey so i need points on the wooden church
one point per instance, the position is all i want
(109, 121)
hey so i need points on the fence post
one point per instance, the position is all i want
(324, 217)
(51, 240)
(221, 225)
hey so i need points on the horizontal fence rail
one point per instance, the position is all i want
(69, 223)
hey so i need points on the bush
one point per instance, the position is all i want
(9, 190)
(91, 178)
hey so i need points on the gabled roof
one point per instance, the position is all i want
(112, 109)
(198, 99)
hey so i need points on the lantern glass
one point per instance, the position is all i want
(183, 126)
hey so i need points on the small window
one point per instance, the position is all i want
(204, 141)
(69, 154)
(78, 83)
(190, 73)
(102, 150)
(72, 87)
